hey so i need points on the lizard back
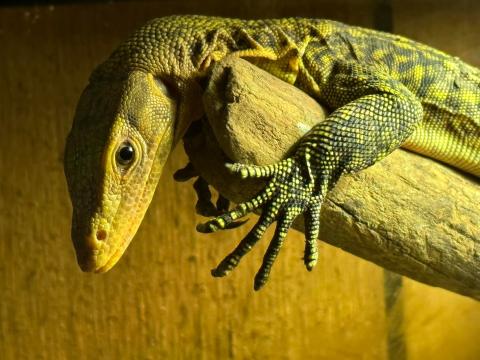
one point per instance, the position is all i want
(303, 52)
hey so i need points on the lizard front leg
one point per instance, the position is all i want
(374, 115)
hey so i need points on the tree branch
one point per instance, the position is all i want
(407, 213)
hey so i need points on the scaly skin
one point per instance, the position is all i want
(384, 91)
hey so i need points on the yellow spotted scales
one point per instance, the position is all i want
(383, 91)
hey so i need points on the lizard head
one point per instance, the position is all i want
(121, 136)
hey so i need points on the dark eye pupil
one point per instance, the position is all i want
(125, 154)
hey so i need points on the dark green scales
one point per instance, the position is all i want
(384, 91)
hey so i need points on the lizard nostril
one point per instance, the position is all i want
(101, 235)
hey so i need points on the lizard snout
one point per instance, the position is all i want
(101, 235)
(88, 248)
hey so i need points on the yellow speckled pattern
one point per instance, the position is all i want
(384, 91)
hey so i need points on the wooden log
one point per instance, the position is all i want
(407, 213)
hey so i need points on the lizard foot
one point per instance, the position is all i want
(291, 191)
(204, 206)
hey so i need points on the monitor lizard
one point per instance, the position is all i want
(383, 92)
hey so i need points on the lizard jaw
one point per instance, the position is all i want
(96, 259)
(104, 244)
(111, 261)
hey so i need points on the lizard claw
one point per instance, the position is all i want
(289, 192)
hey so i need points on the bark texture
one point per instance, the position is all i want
(407, 213)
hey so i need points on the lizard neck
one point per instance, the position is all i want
(161, 48)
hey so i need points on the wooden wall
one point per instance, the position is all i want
(160, 301)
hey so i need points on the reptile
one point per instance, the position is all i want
(383, 91)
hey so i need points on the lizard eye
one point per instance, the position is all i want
(125, 154)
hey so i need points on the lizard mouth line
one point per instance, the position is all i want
(112, 260)
(118, 252)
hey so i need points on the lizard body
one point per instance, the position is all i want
(384, 91)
